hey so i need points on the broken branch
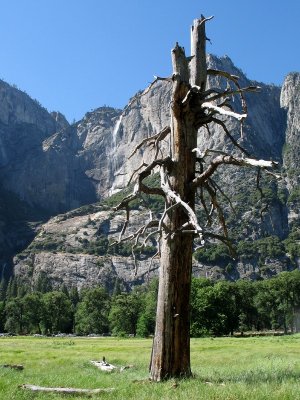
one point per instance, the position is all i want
(220, 110)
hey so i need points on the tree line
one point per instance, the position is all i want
(217, 308)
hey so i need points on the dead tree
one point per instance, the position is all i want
(192, 106)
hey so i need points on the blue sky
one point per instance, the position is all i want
(77, 55)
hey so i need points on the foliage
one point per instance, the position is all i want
(294, 196)
(277, 300)
(270, 246)
(57, 315)
(217, 308)
(47, 244)
(92, 312)
(213, 254)
(2, 316)
(15, 316)
(98, 247)
(124, 313)
(121, 249)
(33, 308)
(213, 309)
(43, 283)
(292, 244)
(146, 320)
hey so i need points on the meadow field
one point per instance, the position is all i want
(224, 368)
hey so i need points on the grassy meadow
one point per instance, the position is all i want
(224, 368)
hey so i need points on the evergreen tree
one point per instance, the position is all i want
(2, 316)
(12, 289)
(65, 290)
(43, 283)
(3, 287)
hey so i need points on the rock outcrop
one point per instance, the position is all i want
(52, 167)
(290, 101)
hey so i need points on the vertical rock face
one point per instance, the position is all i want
(61, 172)
(24, 124)
(48, 167)
(18, 108)
(82, 163)
(146, 114)
(263, 134)
(58, 167)
(290, 101)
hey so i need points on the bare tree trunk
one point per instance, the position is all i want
(171, 346)
(192, 107)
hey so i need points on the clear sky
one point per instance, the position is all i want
(77, 55)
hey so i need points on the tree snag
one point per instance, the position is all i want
(192, 107)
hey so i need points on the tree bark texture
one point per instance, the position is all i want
(171, 345)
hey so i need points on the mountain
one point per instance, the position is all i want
(290, 101)
(24, 125)
(52, 169)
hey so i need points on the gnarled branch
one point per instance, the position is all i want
(230, 160)
(155, 139)
(227, 75)
(236, 144)
(176, 198)
(156, 79)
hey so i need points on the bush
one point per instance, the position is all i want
(213, 254)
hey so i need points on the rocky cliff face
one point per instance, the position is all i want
(24, 124)
(59, 167)
(73, 249)
(290, 101)
(77, 249)
(53, 167)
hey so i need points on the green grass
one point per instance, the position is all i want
(224, 368)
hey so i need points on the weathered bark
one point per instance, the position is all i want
(62, 390)
(192, 107)
(198, 52)
(171, 345)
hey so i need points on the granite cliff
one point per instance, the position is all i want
(49, 167)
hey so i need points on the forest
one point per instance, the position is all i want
(217, 308)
